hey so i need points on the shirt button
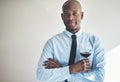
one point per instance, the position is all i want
(68, 80)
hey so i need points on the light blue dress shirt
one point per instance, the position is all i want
(58, 48)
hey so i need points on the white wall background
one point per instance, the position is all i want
(25, 26)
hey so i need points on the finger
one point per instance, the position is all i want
(52, 60)
(86, 60)
(49, 66)
(87, 68)
(87, 65)
(80, 62)
(45, 64)
(46, 61)
(56, 64)
(49, 60)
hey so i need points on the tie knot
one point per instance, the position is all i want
(73, 36)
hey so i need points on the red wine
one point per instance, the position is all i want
(85, 54)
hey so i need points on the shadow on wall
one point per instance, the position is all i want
(112, 65)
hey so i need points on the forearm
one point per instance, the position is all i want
(95, 75)
(50, 75)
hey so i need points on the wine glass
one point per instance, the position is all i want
(85, 50)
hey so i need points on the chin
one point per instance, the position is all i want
(72, 28)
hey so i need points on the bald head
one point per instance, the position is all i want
(71, 3)
(72, 15)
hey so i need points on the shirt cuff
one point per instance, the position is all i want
(65, 72)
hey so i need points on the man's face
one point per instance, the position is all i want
(72, 16)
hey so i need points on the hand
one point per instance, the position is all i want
(51, 63)
(80, 66)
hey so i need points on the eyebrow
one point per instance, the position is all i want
(75, 10)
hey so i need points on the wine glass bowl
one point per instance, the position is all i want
(85, 49)
(85, 54)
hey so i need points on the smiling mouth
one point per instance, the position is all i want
(71, 24)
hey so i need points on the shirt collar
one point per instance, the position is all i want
(69, 34)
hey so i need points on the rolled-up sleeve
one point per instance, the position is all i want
(97, 73)
(50, 75)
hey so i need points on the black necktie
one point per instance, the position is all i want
(73, 51)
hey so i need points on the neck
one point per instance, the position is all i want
(73, 31)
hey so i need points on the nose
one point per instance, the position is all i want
(70, 17)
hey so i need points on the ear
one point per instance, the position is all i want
(62, 16)
(82, 14)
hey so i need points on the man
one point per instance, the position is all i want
(58, 65)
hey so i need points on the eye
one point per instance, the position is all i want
(75, 13)
(66, 14)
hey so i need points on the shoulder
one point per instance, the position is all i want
(94, 40)
(90, 36)
(56, 37)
